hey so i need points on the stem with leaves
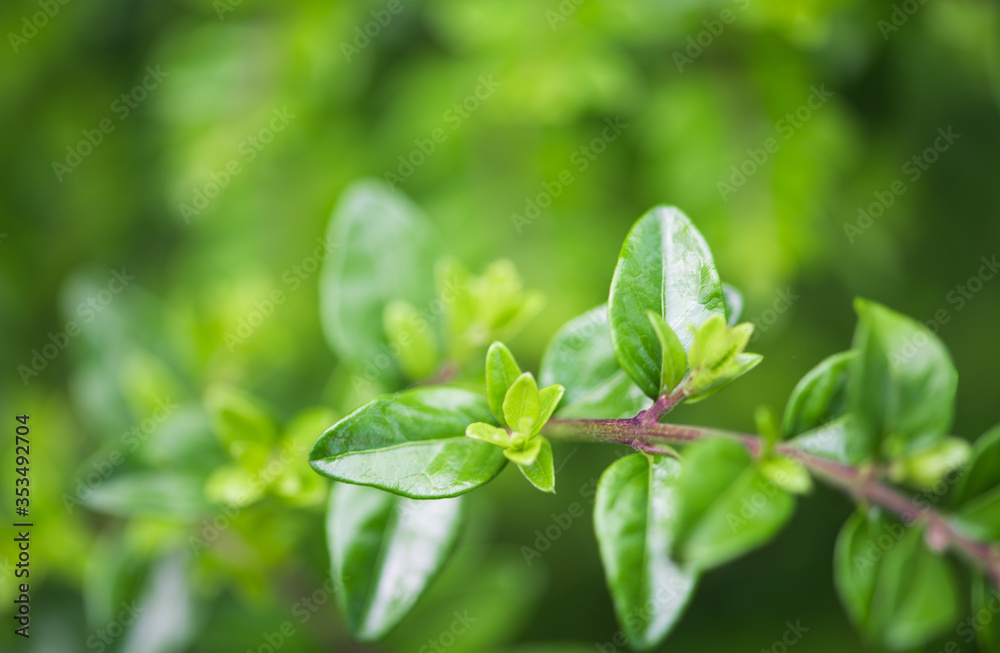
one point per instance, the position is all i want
(644, 434)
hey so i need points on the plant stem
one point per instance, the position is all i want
(645, 435)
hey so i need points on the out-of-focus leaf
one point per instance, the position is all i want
(165, 619)
(898, 592)
(901, 386)
(384, 551)
(727, 506)
(412, 444)
(819, 397)
(382, 248)
(635, 514)
(149, 493)
(581, 358)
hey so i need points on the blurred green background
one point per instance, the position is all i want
(118, 115)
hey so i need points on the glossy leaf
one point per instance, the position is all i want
(412, 444)
(901, 386)
(897, 592)
(666, 267)
(635, 514)
(522, 405)
(381, 248)
(384, 551)
(501, 372)
(673, 365)
(524, 454)
(581, 358)
(819, 397)
(728, 507)
(541, 473)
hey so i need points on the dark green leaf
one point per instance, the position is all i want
(985, 601)
(728, 507)
(381, 248)
(501, 372)
(666, 267)
(581, 358)
(634, 515)
(413, 445)
(983, 470)
(901, 386)
(896, 591)
(980, 517)
(821, 396)
(541, 472)
(384, 551)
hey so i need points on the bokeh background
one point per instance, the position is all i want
(698, 90)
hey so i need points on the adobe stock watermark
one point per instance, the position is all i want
(453, 118)
(104, 637)
(246, 151)
(122, 107)
(212, 529)
(913, 168)
(792, 636)
(292, 279)
(959, 297)
(579, 160)
(422, 321)
(36, 21)
(664, 594)
(303, 610)
(900, 15)
(365, 34)
(223, 7)
(129, 441)
(784, 299)
(786, 128)
(87, 310)
(562, 12)
(714, 27)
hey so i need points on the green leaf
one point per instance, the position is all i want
(985, 599)
(239, 419)
(581, 357)
(733, 300)
(980, 517)
(666, 267)
(635, 513)
(549, 398)
(381, 248)
(501, 372)
(541, 473)
(525, 454)
(826, 441)
(728, 506)
(151, 494)
(788, 474)
(411, 336)
(488, 433)
(674, 359)
(983, 471)
(742, 364)
(928, 467)
(898, 592)
(412, 444)
(384, 551)
(901, 385)
(820, 397)
(522, 405)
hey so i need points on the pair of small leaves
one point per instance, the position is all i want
(522, 410)
(898, 592)
(660, 524)
(664, 294)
